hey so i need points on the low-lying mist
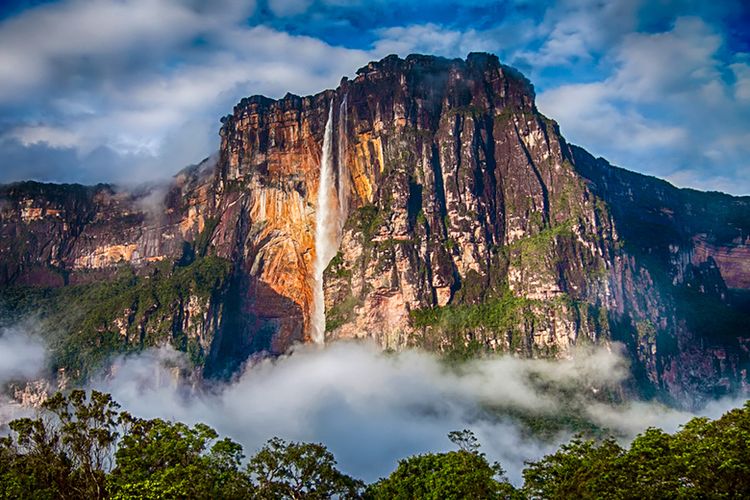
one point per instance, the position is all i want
(373, 408)
(23, 355)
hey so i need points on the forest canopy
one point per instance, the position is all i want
(81, 445)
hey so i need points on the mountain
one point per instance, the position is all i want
(452, 216)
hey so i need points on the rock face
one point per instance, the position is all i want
(465, 222)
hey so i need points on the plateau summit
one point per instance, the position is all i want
(426, 202)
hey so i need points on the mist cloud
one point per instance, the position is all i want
(22, 354)
(372, 409)
(23, 357)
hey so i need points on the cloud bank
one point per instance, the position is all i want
(372, 409)
(369, 407)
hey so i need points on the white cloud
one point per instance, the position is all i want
(135, 78)
(665, 109)
(587, 113)
(741, 72)
(707, 181)
(430, 39)
(372, 408)
(53, 136)
(33, 43)
(437, 40)
(652, 67)
(580, 29)
(22, 354)
(166, 118)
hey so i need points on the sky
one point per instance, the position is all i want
(128, 91)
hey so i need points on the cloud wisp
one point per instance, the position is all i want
(22, 354)
(23, 357)
(369, 407)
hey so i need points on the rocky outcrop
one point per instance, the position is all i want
(465, 223)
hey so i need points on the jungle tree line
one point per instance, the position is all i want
(83, 446)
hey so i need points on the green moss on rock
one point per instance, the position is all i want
(500, 315)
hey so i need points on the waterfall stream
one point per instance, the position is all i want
(326, 231)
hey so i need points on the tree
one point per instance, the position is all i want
(158, 459)
(579, 469)
(714, 456)
(82, 446)
(465, 440)
(465, 473)
(299, 470)
(704, 459)
(70, 450)
(31, 463)
(64, 453)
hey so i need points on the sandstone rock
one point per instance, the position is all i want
(467, 219)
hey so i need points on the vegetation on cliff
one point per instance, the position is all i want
(87, 323)
(503, 315)
(83, 446)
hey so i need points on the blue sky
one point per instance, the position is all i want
(132, 90)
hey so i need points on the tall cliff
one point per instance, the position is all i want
(458, 217)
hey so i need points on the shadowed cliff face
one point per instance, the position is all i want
(466, 223)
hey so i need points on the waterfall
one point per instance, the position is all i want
(326, 231)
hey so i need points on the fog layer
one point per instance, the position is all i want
(372, 409)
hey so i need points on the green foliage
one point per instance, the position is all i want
(501, 314)
(533, 250)
(158, 459)
(458, 329)
(420, 219)
(568, 417)
(203, 240)
(82, 446)
(705, 459)
(465, 473)
(81, 319)
(366, 220)
(299, 470)
(65, 454)
(496, 313)
(452, 475)
(341, 313)
(572, 472)
(71, 450)
(462, 351)
(646, 333)
(336, 266)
